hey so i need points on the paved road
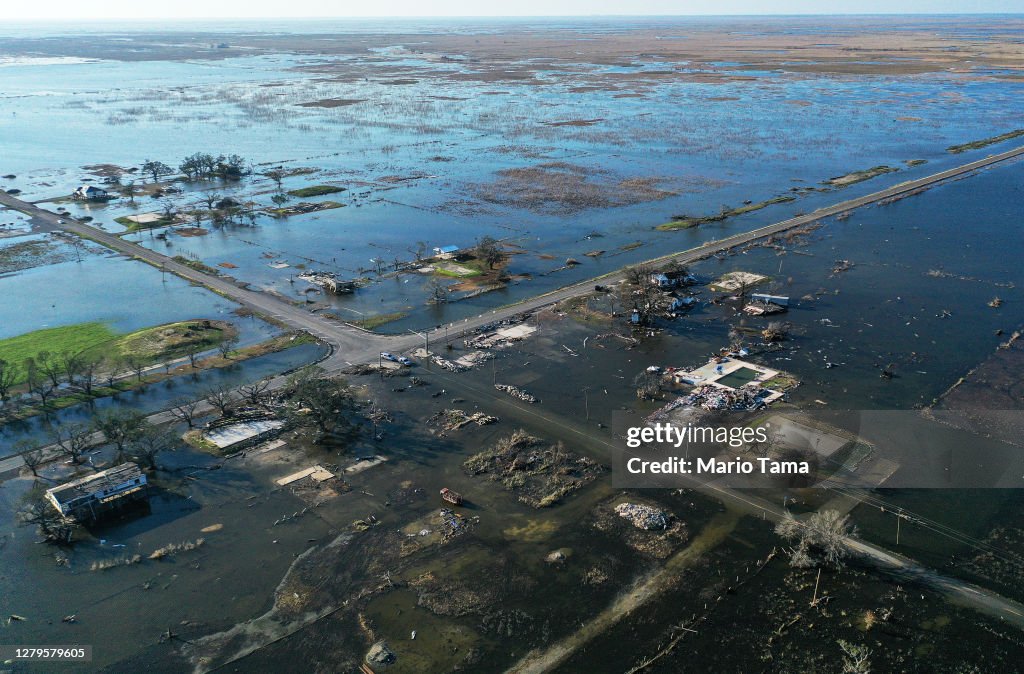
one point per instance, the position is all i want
(353, 345)
(350, 344)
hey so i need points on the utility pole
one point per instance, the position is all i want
(426, 345)
(586, 401)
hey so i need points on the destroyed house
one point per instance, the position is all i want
(662, 281)
(90, 496)
(89, 192)
(777, 300)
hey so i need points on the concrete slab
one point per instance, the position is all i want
(317, 472)
(226, 436)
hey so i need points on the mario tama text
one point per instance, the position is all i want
(716, 466)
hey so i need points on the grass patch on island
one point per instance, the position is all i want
(316, 191)
(688, 221)
(859, 176)
(984, 142)
(131, 226)
(372, 322)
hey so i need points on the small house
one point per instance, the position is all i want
(89, 497)
(682, 303)
(90, 193)
(662, 281)
(446, 252)
(765, 305)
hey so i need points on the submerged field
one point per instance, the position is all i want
(558, 148)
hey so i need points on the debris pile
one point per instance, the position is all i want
(516, 392)
(447, 364)
(716, 398)
(380, 654)
(539, 473)
(642, 516)
(453, 420)
(329, 282)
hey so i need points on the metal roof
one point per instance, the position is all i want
(91, 484)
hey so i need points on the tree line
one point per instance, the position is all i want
(199, 166)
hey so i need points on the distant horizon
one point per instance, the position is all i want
(183, 19)
(61, 11)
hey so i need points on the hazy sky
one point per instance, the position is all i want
(60, 10)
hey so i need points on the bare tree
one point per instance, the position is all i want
(50, 365)
(255, 393)
(855, 658)
(639, 275)
(37, 511)
(73, 440)
(821, 539)
(277, 177)
(120, 428)
(87, 372)
(71, 363)
(77, 245)
(170, 210)
(113, 364)
(32, 456)
(488, 250)
(9, 374)
(146, 445)
(211, 199)
(185, 410)
(228, 345)
(419, 251)
(37, 382)
(136, 365)
(437, 292)
(221, 398)
(318, 402)
(156, 169)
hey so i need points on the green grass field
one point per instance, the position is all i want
(67, 338)
(95, 340)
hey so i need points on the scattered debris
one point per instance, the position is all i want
(643, 516)
(540, 474)
(380, 654)
(452, 419)
(737, 281)
(516, 392)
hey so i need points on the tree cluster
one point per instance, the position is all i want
(202, 165)
(820, 540)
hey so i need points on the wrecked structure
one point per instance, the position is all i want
(329, 282)
(92, 496)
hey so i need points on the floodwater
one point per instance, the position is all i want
(421, 149)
